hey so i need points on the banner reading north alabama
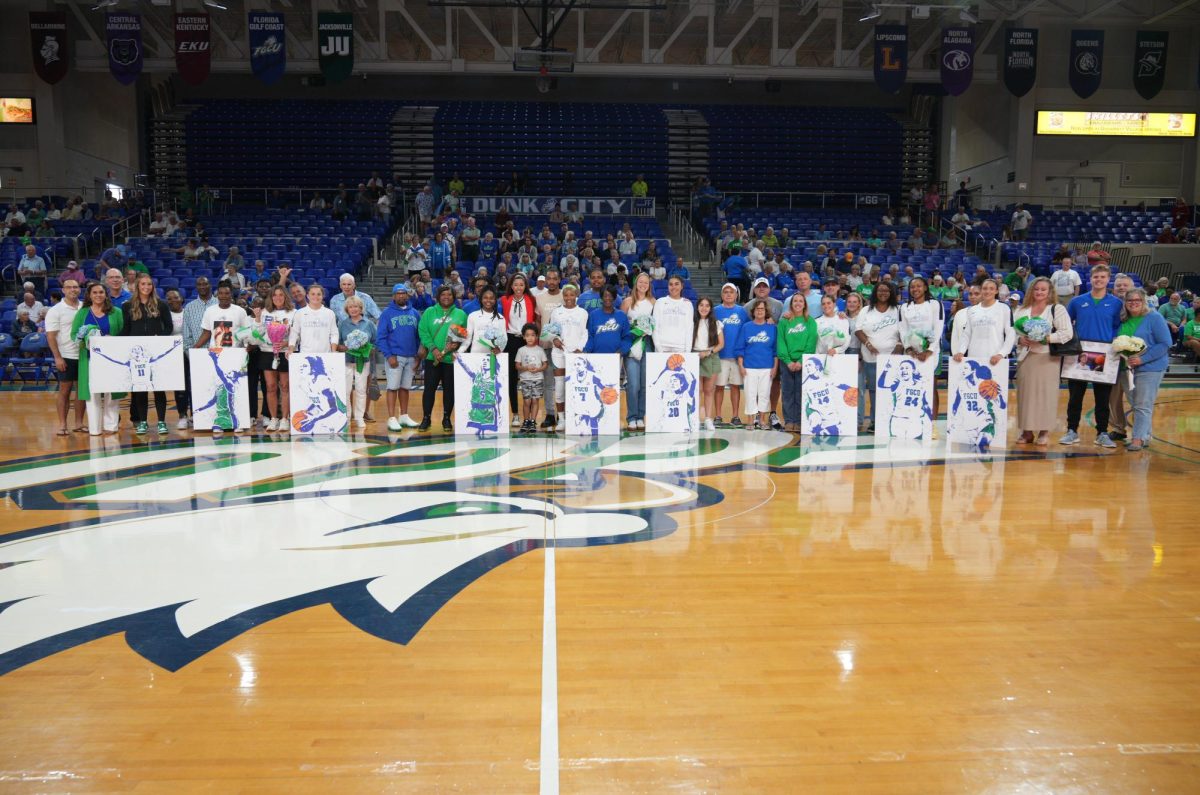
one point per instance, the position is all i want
(193, 52)
(317, 384)
(978, 398)
(891, 57)
(124, 46)
(220, 391)
(136, 364)
(268, 45)
(48, 37)
(335, 45)
(1087, 61)
(1149, 62)
(829, 395)
(672, 392)
(1020, 60)
(481, 394)
(593, 394)
(904, 397)
(958, 59)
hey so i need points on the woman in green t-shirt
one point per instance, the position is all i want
(1191, 336)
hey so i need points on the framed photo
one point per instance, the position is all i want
(1097, 364)
(593, 394)
(136, 364)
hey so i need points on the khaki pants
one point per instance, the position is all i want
(1116, 410)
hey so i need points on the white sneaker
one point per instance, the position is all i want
(709, 425)
(182, 425)
(393, 424)
(641, 425)
(360, 424)
(516, 420)
(408, 422)
(273, 425)
(562, 423)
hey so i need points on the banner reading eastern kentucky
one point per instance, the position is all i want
(335, 43)
(1020, 60)
(193, 52)
(958, 59)
(48, 35)
(1087, 61)
(1149, 62)
(891, 57)
(124, 46)
(268, 46)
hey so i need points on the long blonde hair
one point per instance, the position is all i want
(1028, 302)
(633, 292)
(150, 308)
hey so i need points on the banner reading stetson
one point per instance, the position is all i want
(1149, 62)
(124, 46)
(268, 46)
(48, 37)
(958, 59)
(193, 53)
(891, 57)
(335, 45)
(1087, 61)
(1020, 60)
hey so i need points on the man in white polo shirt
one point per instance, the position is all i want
(1066, 282)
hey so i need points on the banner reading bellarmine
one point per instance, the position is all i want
(335, 45)
(891, 57)
(193, 53)
(48, 37)
(268, 46)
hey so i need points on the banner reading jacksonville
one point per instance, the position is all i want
(335, 45)
(1020, 60)
(268, 46)
(891, 57)
(1149, 62)
(1087, 61)
(124, 46)
(192, 51)
(48, 35)
(958, 59)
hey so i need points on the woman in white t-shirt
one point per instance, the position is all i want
(878, 329)
(572, 321)
(922, 321)
(272, 356)
(988, 333)
(673, 320)
(486, 316)
(314, 326)
(833, 331)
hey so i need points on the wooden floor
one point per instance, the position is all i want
(734, 612)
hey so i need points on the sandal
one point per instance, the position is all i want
(1043, 439)
(1025, 438)
(62, 432)
(81, 429)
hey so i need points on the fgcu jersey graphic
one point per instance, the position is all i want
(761, 337)
(608, 326)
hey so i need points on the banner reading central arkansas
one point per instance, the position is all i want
(335, 45)
(1020, 60)
(268, 46)
(124, 46)
(192, 51)
(1087, 61)
(891, 57)
(48, 35)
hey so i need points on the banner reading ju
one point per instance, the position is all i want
(1149, 62)
(268, 46)
(48, 36)
(891, 57)
(1087, 61)
(1020, 60)
(958, 59)
(335, 45)
(124, 46)
(193, 52)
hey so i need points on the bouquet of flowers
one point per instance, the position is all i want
(248, 335)
(85, 335)
(550, 332)
(1128, 347)
(1035, 328)
(277, 334)
(456, 334)
(918, 340)
(642, 328)
(359, 348)
(494, 338)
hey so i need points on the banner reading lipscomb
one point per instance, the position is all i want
(891, 57)
(48, 39)
(268, 45)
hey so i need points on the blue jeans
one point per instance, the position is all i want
(635, 388)
(866, 386)
(1141, 399)
(790, 384)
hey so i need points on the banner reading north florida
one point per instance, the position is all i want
(978, 398)
(124, 46)
(1149, 62)
(1087, 61)
(48, 37)
(335, 45)
(891, 57)
(593, 394)
(481, 394)
(193, 53)
(958, 59)
(1020, 60)
(268, 46)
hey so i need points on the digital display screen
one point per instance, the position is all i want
(16, 110)
(1141, 125)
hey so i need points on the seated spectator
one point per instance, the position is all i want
(189, 250)
(650, 254)
(235, 258)
(32, 266)
(22, 325)
(916, 241)
(556, 214)
(893, 243)
(73, 271)
(32, 307)
(1166, 236)
(1097, 255)
(1176, 313)
(236, 280)
(678, 270)
(628, 245)
(317, 203)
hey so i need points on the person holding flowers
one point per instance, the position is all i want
(833, 330)
(639, 309)
(97, 317)
(1143, 340)
(272, 359)
(922, 319)
(487, 331)
(441, 330)
(1040, 321)
(356, 337)
(796, 336)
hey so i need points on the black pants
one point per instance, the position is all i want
(139, 406)
(438, 374)
(1076, 391)
(183, 400)
(515, 344)
(258, 383)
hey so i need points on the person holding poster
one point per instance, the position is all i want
(674, 319)
(708, 342)
(878, 329)
(314, 326)
(1096, 316)
(221, 321)
(797, 335)
(1040, 321)
(145, 315)
(910, 415)
(978, 408)
(922, 321)
(987, 332)
(98, 317)
(758, 364)
(571, 322)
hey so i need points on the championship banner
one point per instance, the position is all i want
(1020, 60)
(124, 46)
(672, 392)
(481, 394)
(318, 389)
(335, 45)
(136, 364)
(904, 397)
(593, 394)
(220, 390)
(193, 53)
(891, 57)
(958, 59)
(829, 395)
(1149, 62)
(1087, 61)
(978, 398)
(48, 37)
(268, 46)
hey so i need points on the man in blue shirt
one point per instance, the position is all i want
(338, 304)
(114, 257)
(32, 266)
(811, 294)
(115, 282)
(591, 299)
(1096, 316)
(736, 268)
(733, 319)
(398, 343)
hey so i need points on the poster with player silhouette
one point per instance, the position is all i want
(829, 395)
(481, 394)
(318, 390)
(904, 397)
(672, 392)
(977, 402)
(220, 390)
(136, 364)
(593, 394)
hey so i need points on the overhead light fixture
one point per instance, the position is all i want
(966, 16)
(216, 5)
(876, 13)
(104, 4)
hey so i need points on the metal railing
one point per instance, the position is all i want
(798, 199)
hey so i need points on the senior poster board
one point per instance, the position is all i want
(317, 387)
(904, 397)
(220, 390)
(136, 364)
(829, 395)
(672, 392)
(977, 402)
(481, 394)
(593, 394)
(1097, 364)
